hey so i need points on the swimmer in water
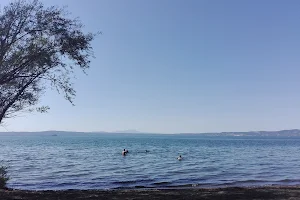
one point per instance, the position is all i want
(124, 152)
(179, 158)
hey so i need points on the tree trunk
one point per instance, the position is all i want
(1, 117)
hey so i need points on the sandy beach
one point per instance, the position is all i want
(282, 192)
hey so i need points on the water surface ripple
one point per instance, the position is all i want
(94, 161)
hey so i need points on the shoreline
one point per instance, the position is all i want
(259, 192)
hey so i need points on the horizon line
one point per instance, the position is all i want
(148, 132)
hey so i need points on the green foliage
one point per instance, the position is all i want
(3, 177)
(40, 47)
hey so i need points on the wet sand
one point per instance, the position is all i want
(282, 192)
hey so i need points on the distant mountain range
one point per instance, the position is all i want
(57, 133)
(282, 133)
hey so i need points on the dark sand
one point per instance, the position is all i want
(282, 192)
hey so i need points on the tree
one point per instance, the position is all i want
(3, 177)
(39, 47)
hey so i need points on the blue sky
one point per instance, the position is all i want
(174, 66)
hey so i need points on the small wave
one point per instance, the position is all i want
(60, 171)
(245, 183)
(162, 183)
(133, 181)
(209, 169)
(122, 188)
(140, 186)
(289, 180)
(184, 185)
(251, 181)
(78, 174)
(260, 182)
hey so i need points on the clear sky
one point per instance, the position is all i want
(174, 66)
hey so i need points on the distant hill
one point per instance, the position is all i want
(67, 133)
(42, 133)
(282, 133)
(128, 131)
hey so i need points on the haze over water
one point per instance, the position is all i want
(94, 161)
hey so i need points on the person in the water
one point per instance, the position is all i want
(179, 158)
(124, 152)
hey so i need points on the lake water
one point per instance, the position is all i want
(94, 161)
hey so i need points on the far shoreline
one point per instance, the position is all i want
(253, 192)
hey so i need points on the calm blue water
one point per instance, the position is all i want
(95, 161)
